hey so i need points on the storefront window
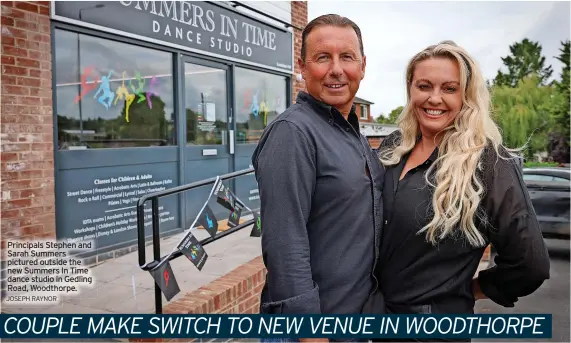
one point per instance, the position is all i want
(260, 97)
(111, 94)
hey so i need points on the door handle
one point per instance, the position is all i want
(231, 133)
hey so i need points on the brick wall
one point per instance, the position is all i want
(358, 112)
(369, 116)
(234, 293)
(487, 254)
(298, 19)
(375, 142)
(27, 168)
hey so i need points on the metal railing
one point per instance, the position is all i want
(154, 198)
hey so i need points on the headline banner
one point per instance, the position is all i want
(75, 326)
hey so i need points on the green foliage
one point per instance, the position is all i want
(563, 86)
(392, 118)
(524, 114)
(540, 164)
(558, 146)
(144, 122)
(530, 110)
(146, 126)
(525, 59)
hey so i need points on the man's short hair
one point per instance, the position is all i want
(331, 20)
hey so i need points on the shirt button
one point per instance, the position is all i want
(386, 222)
(347, 129)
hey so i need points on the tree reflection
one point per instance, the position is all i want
(146, 127)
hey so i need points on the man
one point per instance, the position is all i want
(320, 185)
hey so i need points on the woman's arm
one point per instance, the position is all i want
(522, 261)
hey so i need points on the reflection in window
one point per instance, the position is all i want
(206, 105)
(540, 177)
(111, 94)
(536, 177)
(260, 97)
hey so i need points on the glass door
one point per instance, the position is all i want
(209, 145)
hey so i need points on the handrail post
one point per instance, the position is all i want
(141, 233)
(157, 253)
(155, 221)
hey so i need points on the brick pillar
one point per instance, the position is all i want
(374, 142)
(298, 19)
(27, 163)
(486, 257)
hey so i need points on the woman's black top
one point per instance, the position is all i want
(418, 277)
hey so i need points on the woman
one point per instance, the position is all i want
(451, 189)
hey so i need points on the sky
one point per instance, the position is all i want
(395, 31)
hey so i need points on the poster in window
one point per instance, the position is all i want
(210, 111)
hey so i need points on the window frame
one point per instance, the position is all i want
(364, 112)
(174, 137)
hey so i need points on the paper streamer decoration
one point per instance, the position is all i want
(257, 229)
(234, 218)
(208, 221)
(175, 249)
(164, 278)
(225, 197)
(193, 250)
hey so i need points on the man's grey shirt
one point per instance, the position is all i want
(320, 192)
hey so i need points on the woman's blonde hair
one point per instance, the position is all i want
(458, 189)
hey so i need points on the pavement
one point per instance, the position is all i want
(551, 298)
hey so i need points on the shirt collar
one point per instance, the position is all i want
(431, 159)
(327, 111)
(433, 156)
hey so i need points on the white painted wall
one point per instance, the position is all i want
(376, 129)
(278, 9)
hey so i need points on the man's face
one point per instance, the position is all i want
(333, 67)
